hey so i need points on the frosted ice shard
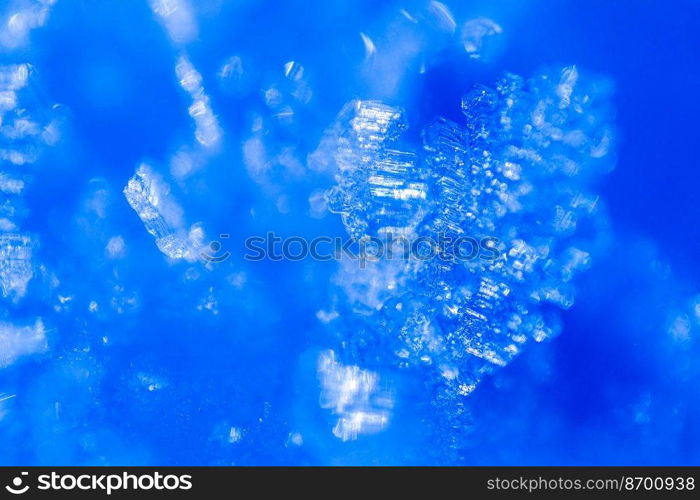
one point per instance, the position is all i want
(354, 396)
(20, 341)
(20, 18)
(149, 196)
(15, 265)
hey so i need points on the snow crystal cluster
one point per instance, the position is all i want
(518, 173)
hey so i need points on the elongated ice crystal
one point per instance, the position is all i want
(517, 177)
(149, 196)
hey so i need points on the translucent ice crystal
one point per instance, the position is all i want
(149, 196)
(354, 396)
(19, 341)
(517, 174)
(380, 189)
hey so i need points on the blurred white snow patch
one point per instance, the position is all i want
(177, 18)
(354, 396)
(149, 196)
(294, 439)
(679, 328)
(479, 37)
(21, 18)
(18, 341)
(326, 317)
(116, 248)
(13, 77)
(234, 435)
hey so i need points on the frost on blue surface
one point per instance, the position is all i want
(518, 173)
(128, 336)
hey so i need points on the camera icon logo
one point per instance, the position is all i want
(214, 247)
(16, 487)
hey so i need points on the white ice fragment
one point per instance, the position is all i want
(19, 341)
(149, 196)
(477, 34)
(177, 18)
(354, 396)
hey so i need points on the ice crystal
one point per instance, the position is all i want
(517, 176)
(149, 196)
